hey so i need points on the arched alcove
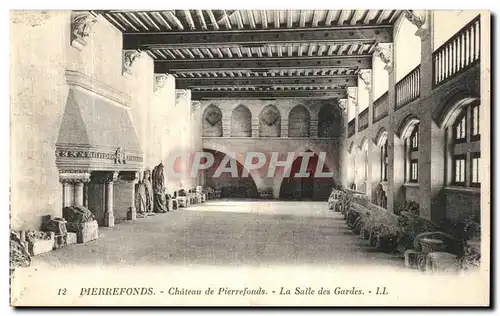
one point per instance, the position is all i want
(307, 188)
(229, 186)
(270, 122)
(212, 122)
(299, 121)
(327, 124)
(241, 122)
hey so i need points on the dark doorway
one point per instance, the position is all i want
(229, 187)
(309, 188)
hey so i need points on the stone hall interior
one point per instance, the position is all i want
(388, 102)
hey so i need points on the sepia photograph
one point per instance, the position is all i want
(250, 157)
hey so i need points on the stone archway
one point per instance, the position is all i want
(229, 186)
(312, 187)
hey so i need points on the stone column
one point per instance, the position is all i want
(366, 76)
(78, 194)
(226, 127)
(344, 143)
(65, 188)
(109, 217)
(284, 127)
(431, 160)
(255, 126)
(73, 179)
(86, 195)
(394, 148)
(313, 128)
(352, 95)
(133, 178)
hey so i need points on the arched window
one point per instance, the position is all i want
(411, 155)
(364, 149)
(384, 161)
(466, 154)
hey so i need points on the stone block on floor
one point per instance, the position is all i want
(85, 231)
(411, 258)
(60, 241)
(71, 238)
(442, 262)
(39, 242)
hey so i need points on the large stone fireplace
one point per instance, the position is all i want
(98, 153)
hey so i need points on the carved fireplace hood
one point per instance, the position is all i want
(96, 134)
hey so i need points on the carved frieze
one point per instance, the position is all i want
(81, 28)
(93, 154)
(384, 52)
(129, 58)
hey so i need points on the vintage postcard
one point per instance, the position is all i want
(326, 157)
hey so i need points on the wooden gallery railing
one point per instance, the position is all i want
(408, 88)
(457, 54)
(351, 127)
(381, 107)
(363, 120)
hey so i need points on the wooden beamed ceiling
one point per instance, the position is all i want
(258, 53)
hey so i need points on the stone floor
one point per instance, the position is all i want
(225, 232)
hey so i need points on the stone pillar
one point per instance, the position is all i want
(65, 189)
(109, 217)
(284, 127)
(366, 77)
(73, 179)
(255, 126)
(374, 165)
(132, 210)
(226, 127)
(78, 194)
(394, 147)
(431, 160)
(86, 194)
(313, 128)
(352, 95)
(344, 144)
(370, 159)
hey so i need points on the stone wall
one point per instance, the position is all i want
(434, 191)
(39, 51)
(41, 54)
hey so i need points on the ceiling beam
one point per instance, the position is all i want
(188, 39)
(354, 61)
(269, 94)
(322, 81)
